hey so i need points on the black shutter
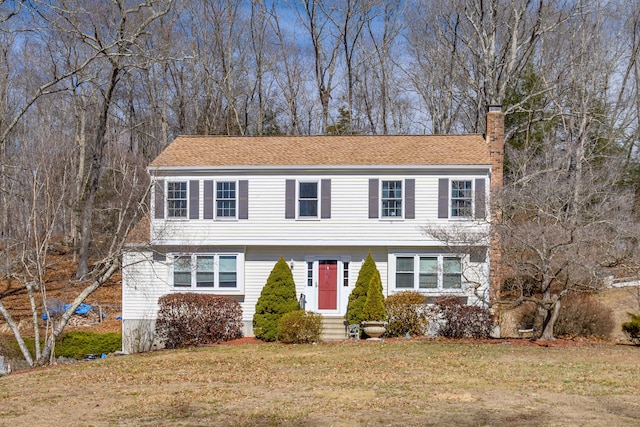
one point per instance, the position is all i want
(373, 198)
(159, 199)
(290, 199)
(208, 200)
(410, 198)
(243, 199)
(443, 198)
(194, 199)
(325, 194)
(481, 208)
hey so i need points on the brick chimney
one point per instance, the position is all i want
(495, 141)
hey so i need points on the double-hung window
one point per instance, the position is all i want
(182, 272)
(427, 272)
(461, 199)
(177, 199)
(226, 199)
(202, 271)
(391, 199)
(308, 199)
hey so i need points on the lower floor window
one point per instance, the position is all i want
(428, 272)
(205, 271)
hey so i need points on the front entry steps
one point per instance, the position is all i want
(333, 328)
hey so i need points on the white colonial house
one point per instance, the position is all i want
(225, 209)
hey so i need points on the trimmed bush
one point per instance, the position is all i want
(459, 320)
(188, 319)
(78, 344)
(632, 328)
(277, 298)
(374, 304)
(582, 315)
(406, 314)
(300, 327)
(75, 344)
(358, 295)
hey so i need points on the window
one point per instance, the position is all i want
(206, 271)
(182, 271)
(226, 199)
(345, 273)
(309, 273)
(177, 199)
(428, 272)
(461, 199)
(308, 199)
(391, 198)
(404, 272)
(451, 273)
(228, 275)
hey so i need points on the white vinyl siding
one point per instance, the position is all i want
(349, 223)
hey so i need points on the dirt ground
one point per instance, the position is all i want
(61, 285)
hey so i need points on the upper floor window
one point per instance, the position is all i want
(308, 199)
(177, 199)
(427, 272)
(461, 198)
(205, 271)
(391, 199)
(226, 199)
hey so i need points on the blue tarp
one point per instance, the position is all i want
(81, 310)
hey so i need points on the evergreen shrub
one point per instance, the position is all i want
(188, 319)
(300, 327)
(78, 344)
(406, 314)
(358, 295)
(632, 328)
(277, 298)
(374, 304)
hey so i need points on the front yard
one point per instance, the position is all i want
(417, 382)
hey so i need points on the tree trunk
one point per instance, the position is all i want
(95, 170)
(16, 334)
(549, 322)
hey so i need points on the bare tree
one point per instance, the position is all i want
(325, 52)
(113, 37)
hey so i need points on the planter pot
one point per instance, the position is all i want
(374, 329)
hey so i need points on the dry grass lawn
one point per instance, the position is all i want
(408, 383)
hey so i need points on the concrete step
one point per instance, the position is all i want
(333, 328)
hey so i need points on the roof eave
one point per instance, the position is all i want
(158, 170)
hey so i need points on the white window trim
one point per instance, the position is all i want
(403, 206)
(166, 199)
(416, 272)
(215, 201)
(318, 196)
(238, 290)
(473, 199)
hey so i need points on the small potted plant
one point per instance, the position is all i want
(373, 311)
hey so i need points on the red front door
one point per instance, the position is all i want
(327, 285)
